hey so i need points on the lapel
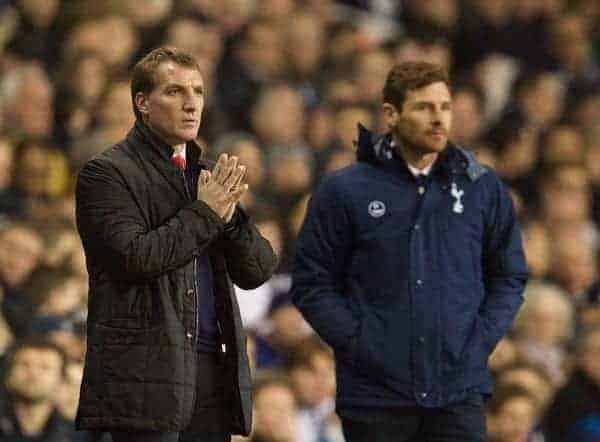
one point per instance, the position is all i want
(159, 153)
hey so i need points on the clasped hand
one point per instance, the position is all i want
(222, 188)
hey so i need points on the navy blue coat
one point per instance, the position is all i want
(411, 283)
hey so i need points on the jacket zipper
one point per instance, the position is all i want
(196, 312)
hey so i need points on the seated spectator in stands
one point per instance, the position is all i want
(562, 144)
(538, 99)
(421, 45)
(28, 102)
(112, 120)
(41, 176)
(574, 414)
(39, 31)
(536, 242)
(80, 81)
(512, 415)
(55, 296)
(371, 70)
(574, 266)
(531, 377)
(570, 44)
(274, 411)
(544, 327)
(33, 376)
(504, 355)
(467, 115)
(256, 59)
(286, 329)
(289, 176)
(305, 46)
(517, 150)
(21, 250)
(278, 116)
(311, 372)
(564, 195)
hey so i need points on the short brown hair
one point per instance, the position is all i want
(409, 76)
(143, 76)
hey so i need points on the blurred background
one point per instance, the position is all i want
(287, 82)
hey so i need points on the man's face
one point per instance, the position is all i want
(35, 374)
(20, 253)
(174, 108)
(275, 414)
(424, 121)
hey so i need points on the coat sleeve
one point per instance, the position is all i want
(504, 268)
(249, 256)
(113, 230)
(322, 249)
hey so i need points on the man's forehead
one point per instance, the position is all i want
(170, 72)
(438, 91)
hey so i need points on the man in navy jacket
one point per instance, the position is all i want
(410, 265)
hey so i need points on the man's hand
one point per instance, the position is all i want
(222, 188)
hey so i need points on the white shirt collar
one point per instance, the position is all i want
(425, 171)
(181, 154)
(414, 170)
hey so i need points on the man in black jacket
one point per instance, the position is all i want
(165, 240)
(28, 412)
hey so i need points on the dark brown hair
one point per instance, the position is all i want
(143, 76)
(409, 76)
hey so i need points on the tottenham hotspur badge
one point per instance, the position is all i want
(376, 209)
(458, 194)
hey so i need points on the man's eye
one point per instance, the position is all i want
(172, 92)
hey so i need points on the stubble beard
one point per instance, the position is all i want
(416, 146)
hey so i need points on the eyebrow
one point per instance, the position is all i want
(421, 102)
(180, 86)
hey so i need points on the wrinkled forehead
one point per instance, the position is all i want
(170, 72)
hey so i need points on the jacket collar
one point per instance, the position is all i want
(452, 161)
(142, 134)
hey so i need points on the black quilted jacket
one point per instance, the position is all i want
(142, 232)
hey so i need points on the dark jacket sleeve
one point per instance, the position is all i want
(322, 249)
(111, 225)
(249, 256)
(504, 269)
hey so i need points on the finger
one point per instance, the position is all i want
(221, 162)
(206, 176)
(230, 173)
(203, 178)
(241, 174)
(236, 194)
(236, 178)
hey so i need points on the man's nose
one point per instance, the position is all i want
(190, 105)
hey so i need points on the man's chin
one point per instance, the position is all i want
(434, 147)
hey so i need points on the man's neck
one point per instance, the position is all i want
(177, 149)
(412, 156)
(33, 418)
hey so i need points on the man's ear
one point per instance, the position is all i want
(141, 103)
(390, 114)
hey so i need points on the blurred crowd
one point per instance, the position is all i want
(287, 82)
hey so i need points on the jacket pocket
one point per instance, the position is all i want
(466, 353)
(368, 346)
(129, 355)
